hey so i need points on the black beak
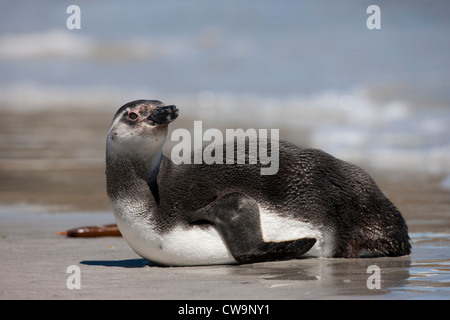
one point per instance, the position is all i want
(163, 115)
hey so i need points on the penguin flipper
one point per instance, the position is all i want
(276, 251)
(237, 218)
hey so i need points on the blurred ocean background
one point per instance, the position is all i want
(310, 68)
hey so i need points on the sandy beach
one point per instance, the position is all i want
(35, 264)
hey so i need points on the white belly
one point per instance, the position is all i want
(276, 228)
(204, 246)
(179, 247)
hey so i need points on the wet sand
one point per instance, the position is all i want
(34, 262)
(52, 178)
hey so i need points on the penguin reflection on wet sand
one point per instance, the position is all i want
(200, 214)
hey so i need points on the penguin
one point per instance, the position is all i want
(202, 214)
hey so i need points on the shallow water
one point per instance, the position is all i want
(429, 272)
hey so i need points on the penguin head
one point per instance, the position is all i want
(140, 126)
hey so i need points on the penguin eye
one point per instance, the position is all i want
(133, 116)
